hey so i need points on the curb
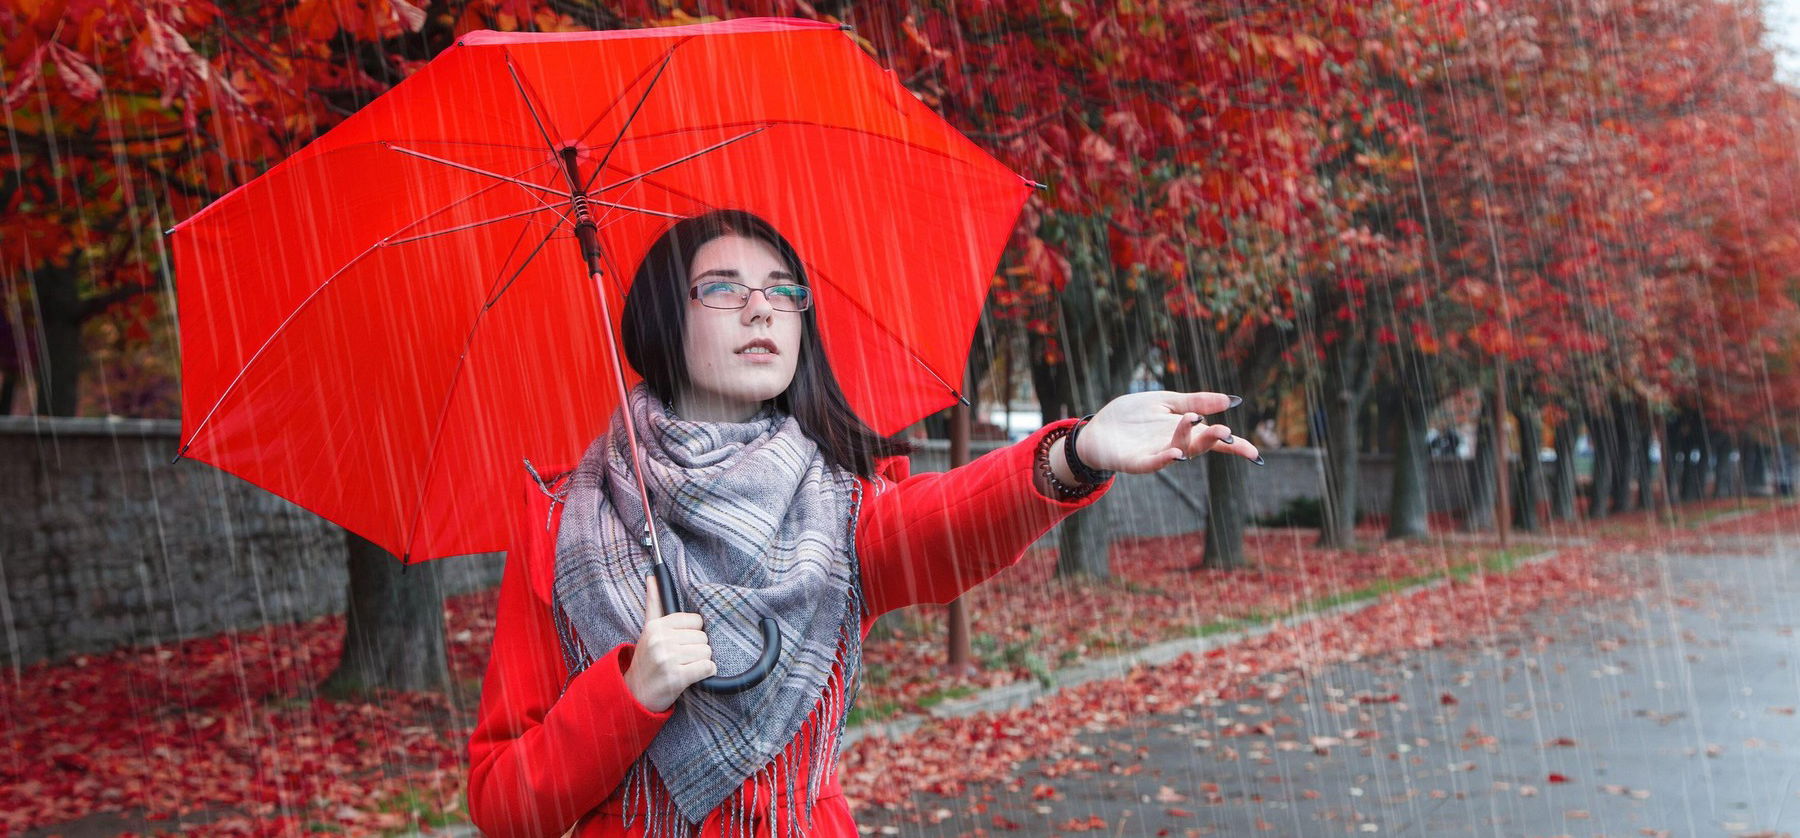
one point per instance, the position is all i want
(1026, 693)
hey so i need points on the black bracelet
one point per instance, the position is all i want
(1082, 471)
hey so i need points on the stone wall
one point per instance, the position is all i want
(105, 543)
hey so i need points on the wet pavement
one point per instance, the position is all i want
(1668, 712)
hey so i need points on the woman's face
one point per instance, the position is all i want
(726, 383)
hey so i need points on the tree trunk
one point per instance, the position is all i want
(1349, 375)
(393, 628)
(1341, 474)
(1674, 457)
(1201, 367)
(1480, 516)
(1562, 483)
(1409, 514)
(1083, 542)
(1694, 463)
(1227, 511)
(1756, 468)
(65, 354)
(1731, 468)
(1601, 435)
(1104, 335)
(1531, 469)
(1626, 460)
(1646, 425)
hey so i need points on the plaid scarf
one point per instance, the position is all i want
(752, 521)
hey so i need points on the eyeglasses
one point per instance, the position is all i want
(730, 295)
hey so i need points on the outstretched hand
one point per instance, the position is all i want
(1142, 432)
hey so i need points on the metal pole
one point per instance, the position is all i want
(1502, 471)
(958, 658)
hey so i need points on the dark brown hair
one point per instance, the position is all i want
(655, 318)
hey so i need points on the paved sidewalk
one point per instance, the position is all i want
(1671, 712)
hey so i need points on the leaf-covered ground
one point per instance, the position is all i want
(1325, 728)
(227, 733)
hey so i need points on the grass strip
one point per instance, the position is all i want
(1497, 562)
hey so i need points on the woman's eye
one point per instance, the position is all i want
(717, 288)
(788, 291)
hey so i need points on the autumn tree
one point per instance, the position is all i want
(124, 118)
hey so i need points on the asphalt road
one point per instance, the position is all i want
(1672, 711)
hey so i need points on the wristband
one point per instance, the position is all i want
(1082, 471)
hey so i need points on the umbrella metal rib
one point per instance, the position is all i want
(538, 187)
(519, 83)
(520, 182)
(629, 118)
(630, 179)
(482, 223)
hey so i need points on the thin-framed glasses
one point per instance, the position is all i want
(718, 293)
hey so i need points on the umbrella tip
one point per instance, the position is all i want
(178, 455)
(847, 27)
(1035, 185)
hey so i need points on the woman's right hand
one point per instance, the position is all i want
(672, 652)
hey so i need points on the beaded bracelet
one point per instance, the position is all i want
(1043, 464)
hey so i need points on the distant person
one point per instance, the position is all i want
(1448, 443)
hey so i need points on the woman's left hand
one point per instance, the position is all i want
(1142, 432)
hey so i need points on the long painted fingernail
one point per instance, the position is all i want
(1228, 439)
(1235, 401)
(1197, 419)
(1181, 458)
(1258, 460)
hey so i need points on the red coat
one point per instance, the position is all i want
(543, 760)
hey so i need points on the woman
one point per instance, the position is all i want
(770, 498)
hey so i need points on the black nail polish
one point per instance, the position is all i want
(1258, 460)
(1197, 419)
(1181, 459)
(1228, 439)
(1235, 401)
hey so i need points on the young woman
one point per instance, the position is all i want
(770, 498)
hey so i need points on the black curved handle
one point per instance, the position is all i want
(725, 684)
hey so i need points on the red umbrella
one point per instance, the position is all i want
(382, 326)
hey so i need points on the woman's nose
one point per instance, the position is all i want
(758, 306)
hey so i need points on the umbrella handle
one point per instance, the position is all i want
(724, 684)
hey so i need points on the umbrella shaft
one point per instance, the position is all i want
(587, 234)
(631, 438)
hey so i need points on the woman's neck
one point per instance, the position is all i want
(704, 407)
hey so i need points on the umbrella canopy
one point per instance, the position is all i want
(381, 326)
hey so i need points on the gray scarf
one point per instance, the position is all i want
(752, 521)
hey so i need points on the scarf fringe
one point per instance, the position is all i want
(646, 797)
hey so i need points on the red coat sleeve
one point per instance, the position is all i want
(539, 757)
(930, 537)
